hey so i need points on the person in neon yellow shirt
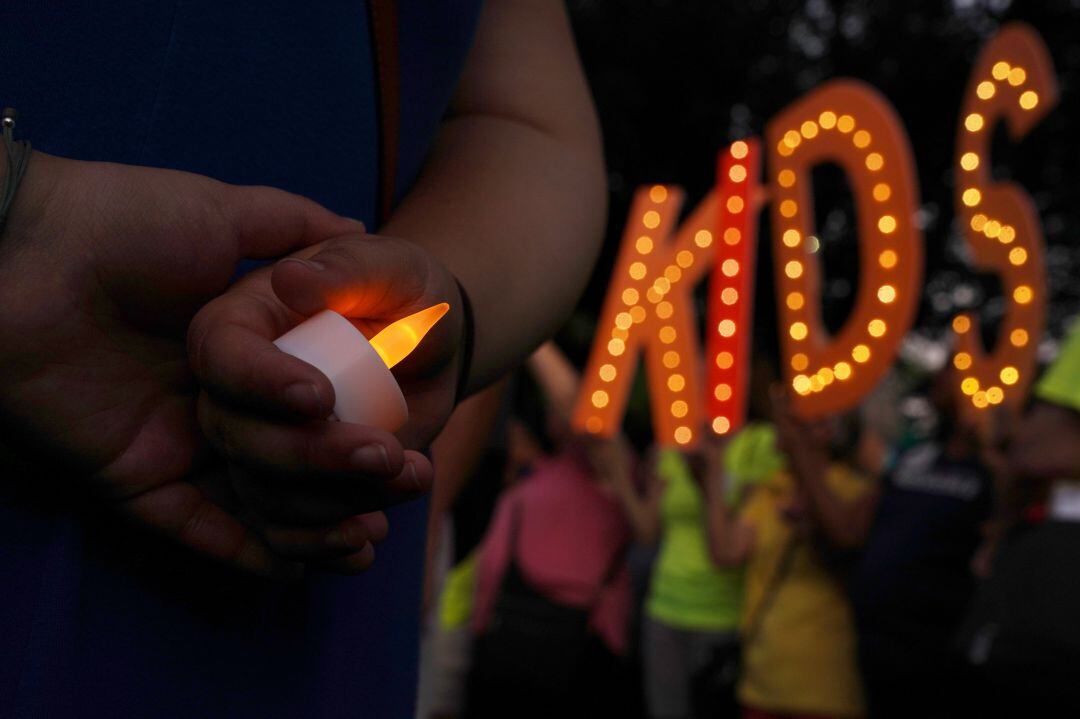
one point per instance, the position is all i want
(693, 606)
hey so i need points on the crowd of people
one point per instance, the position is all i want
(799, 568)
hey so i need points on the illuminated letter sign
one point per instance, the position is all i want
(850, 124)
(731, 285)
(649, 307)
(1012, 80)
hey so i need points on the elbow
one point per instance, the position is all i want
(725, 556)
(648, 534)
(849, 537)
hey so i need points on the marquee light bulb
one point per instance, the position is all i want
(365, 391)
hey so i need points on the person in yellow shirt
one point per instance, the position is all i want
(791, 533)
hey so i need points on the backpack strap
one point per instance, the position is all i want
(772, 588)
(383, 18)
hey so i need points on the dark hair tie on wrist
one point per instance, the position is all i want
(18, 157)
(468, 341)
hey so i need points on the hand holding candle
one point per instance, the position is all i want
(359, 369)
(267, 410)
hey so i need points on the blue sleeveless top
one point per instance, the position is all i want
(99, 621)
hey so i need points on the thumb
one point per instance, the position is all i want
(361, 277)
(268, 222)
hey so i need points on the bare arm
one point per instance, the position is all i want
(559, 381)
(612, 461)
(729, 540)
(455, 454)
(512, 200)
(843, 523)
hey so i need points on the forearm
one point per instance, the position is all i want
(843, 523)
(516, 215)
(720, 527)
(558, 381)
(642, 514)
(513, 197)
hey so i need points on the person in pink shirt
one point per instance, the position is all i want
(553, 595)
(570, 530)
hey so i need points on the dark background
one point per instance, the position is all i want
(676, 81)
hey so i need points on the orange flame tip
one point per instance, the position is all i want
(397, 340)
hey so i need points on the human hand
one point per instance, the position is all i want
(101, 268)
(805, 442)
(302, 478)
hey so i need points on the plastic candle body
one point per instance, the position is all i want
(365, 390)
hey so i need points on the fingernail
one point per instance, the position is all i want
(354, 534)
(303, 397)
(372, 457)
(309, 264)
(376, 525)
(411, 469)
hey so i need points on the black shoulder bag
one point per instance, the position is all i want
(712, 688)
(535, 648)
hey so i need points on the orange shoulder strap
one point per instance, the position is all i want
(383, 17)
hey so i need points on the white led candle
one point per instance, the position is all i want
(365, 391)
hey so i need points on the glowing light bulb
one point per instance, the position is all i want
(397, 340)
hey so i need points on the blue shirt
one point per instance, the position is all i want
(99, 620)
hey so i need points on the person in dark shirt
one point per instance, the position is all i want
(159, 128)
(913, 581)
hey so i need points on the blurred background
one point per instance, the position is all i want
(676, 81)
(897, 561)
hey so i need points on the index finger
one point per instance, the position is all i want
(231, 351)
